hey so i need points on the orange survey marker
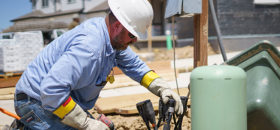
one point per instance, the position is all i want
(9, 113)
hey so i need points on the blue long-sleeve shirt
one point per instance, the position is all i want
(76, 64)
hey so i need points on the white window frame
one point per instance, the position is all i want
(71, 1)
(45, 3)
(34, 2)
(266, 2)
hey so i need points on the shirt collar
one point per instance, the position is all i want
(109, 48)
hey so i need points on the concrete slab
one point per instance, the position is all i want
(9, 106)
(212, 60)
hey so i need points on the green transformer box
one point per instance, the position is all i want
(218, 98)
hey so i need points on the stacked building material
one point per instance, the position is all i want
(17, 53)
(31, 43)
(9, 56)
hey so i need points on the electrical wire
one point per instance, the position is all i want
(174, 52)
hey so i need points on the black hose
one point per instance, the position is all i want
(168, 121)
(178, 125)
(217, 27)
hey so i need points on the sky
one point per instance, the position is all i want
(11, 9)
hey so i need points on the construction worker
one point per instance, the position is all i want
(65, 79)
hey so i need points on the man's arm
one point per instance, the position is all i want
(135, 68)
(61, 80)
(131, 64)
(64, 75)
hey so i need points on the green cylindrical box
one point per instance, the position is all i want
(218, 98)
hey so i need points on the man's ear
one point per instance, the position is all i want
(117, 27)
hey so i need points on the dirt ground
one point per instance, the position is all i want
(135, 122)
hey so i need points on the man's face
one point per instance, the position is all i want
(121, 38)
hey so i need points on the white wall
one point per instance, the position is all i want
(65, 6)
(89, 4)
(267, 2)
(49, 9)
(62, 6)
(71, 6)
(98, 14)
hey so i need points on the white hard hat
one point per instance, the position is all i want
(135, 15)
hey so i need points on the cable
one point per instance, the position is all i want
(218, 31)
(174, 52)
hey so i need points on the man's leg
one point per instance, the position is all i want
(35, 117)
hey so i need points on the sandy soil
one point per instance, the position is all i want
(135, 122)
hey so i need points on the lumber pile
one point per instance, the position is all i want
(127, 104)
(9, 82)
(7, 93)
(163, 68)
(6, 75)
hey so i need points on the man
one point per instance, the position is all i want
(65, 79)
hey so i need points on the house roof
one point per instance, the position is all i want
(33, 14)
(40, 14)
(98, 6)
(36, 26)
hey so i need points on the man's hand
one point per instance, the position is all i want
(160, 88)
(78, 119)
(73, 115)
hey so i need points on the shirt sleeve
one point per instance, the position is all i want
(131, 64)
(65, 74)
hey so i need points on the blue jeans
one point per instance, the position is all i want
(35, 117)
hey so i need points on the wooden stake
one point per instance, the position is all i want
(201, 36)
(150, 38)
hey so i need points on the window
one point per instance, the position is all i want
(6, 35)
(266, 2)
(34, 3)
(45, 3)
(71, 1)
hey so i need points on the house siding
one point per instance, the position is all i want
(237, 17)
(70, 6)
(48, 9)
(63, 5)
(243, 17)
(98, 14)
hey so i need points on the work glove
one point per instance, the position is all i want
(160, 87)
(73, 115)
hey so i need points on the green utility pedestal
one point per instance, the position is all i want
(218, 96)
(262, 65)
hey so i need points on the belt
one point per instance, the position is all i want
(21, 96)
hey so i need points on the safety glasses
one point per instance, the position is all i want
(131, 36)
